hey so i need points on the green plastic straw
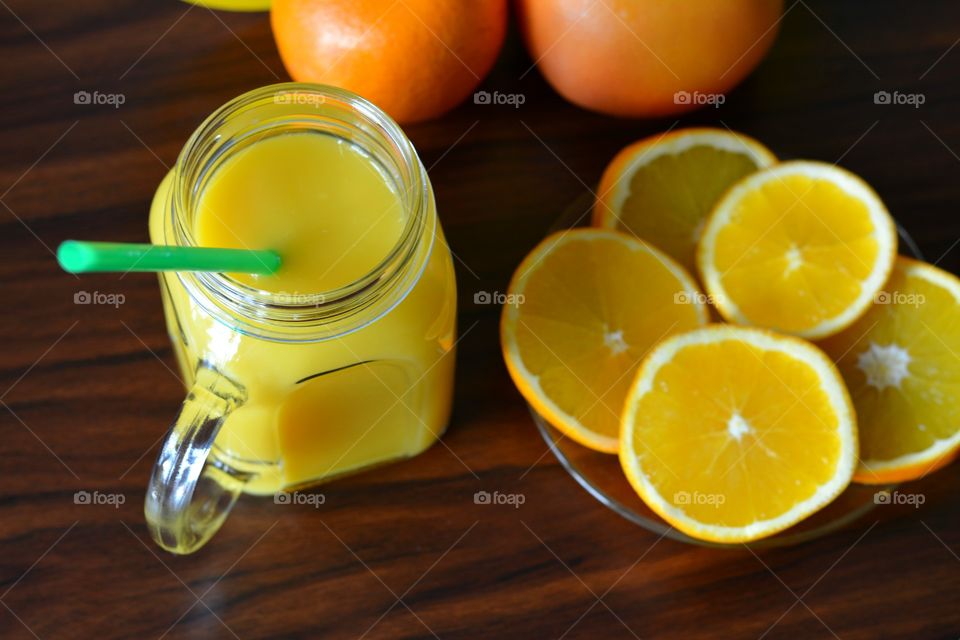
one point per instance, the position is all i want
(76, 256)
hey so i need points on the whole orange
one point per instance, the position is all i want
(646, 58)
(415, 59)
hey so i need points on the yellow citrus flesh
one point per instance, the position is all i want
(663, 187)
(901, 362)
(234, 5)
(800, 247)
(582, 310)
(732, 433)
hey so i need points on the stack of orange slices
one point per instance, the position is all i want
(733, 432)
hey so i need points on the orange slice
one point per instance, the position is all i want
(801, 247)
(901, 362)
(583, 309)
(732, 434)
(663, 187)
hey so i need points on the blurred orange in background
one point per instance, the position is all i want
(415, 59)
(646, 58)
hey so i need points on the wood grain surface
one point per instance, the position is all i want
(404, 552)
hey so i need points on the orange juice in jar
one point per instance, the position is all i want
(341, 360)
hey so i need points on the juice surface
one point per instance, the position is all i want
(319, 201)
(316, 410)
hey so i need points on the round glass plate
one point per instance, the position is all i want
(600, 473)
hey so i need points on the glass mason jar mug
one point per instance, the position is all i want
(289, 390)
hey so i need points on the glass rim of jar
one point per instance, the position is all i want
(313, 316)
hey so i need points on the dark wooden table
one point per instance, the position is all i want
(87, 390)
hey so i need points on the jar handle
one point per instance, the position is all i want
(191, 492)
